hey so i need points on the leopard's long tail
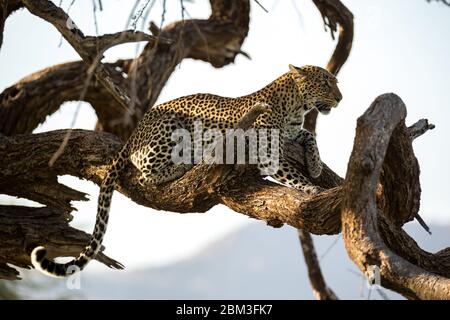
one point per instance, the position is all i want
(39, 254)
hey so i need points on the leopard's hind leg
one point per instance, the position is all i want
(153, 154)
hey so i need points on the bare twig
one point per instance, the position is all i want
(420, 128)
(183, 10)
(445, 2)
(261, 6)
(139, 14)
(94, 13)
(163, 14)
(87, 82)
(330, 247)
(132, 14)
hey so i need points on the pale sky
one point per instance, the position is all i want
(400, 46)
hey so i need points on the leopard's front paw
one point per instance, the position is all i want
(311, 190)
(314, 166)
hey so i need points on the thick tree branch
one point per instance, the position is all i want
(363, 221)
(24, 228)
(216, 40)
(104, 42)
(87, 156)
(337, 16)
(26, 104)
(90, 49)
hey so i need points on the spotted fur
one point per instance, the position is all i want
(149, 148)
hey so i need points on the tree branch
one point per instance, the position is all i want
(6, 8)
(320, 289)
(24, 228)
(336, 17)
(90, 49)
(445, 2)
(26, 104)
(88, 153)
(364, 223)
(377, 198)
(216, 40)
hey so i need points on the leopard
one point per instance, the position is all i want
(149, 148)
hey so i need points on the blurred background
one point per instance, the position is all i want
(400, 46)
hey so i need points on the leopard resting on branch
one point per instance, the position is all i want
(150, 146)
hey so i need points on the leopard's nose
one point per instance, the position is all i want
(338, 97)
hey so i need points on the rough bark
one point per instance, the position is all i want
(27, 103)
(371, 233)
(216, 40)
(22, 228)
(87, 155)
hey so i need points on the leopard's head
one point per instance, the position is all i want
(317, 88)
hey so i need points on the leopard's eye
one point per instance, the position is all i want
(331, 83)
(327, 84)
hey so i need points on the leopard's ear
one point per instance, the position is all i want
(297, 73)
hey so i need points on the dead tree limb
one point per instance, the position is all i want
(363, 233)
(21, 228)
(216, 40)
(27, 103)
(91, 50)
(320, 289)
